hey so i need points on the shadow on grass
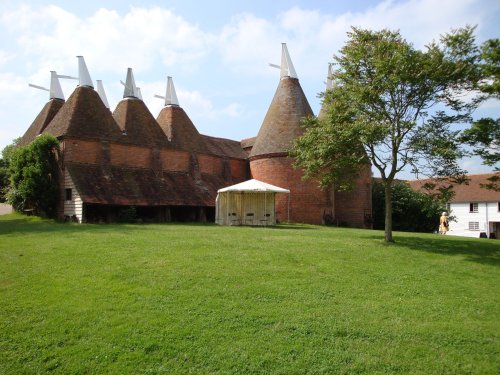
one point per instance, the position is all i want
(482, 251)
(12, 224)
(283, 226)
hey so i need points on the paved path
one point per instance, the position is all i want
(5, 209)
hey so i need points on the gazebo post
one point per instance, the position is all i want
(265, 205)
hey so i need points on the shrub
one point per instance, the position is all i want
(33, 177)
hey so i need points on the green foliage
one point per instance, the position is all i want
(412, 211)
(484, 137)
(328, 152)
(205, 299)
(490, 66)
(33, 175)
(393, 105)
(4, 168)
(484, 134)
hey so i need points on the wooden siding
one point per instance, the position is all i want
(73, 207)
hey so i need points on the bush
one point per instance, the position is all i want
(33, 177)
(412, 211)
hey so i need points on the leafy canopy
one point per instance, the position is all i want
(392, 105)
(4, 168)
(484, 134)
(33, 175)
(412, 211)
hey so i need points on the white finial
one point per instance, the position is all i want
(287, 69)
(83, 73)
(329, 77)
(286, 66)
(55, 87)
(130, 87)
(55, 91)
(170, 96)
(102, 93)
(139, 93)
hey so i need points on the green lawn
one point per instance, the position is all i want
(294, 299)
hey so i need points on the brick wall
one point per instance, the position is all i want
(210, 164)
(130, 155)
(354, 208)
(308, 203)
(82, 151)
(174, 160)
(239, 170)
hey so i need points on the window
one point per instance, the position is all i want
(498, 206)
(473, 207)
(474, 225)
(68, 194)
(448, 207)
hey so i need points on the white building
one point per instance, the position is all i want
(475, 210)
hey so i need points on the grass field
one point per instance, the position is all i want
(294, 299)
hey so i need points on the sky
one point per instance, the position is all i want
(216, 51)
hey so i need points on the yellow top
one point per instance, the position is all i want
(443, 223)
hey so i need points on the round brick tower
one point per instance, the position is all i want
(269, 160)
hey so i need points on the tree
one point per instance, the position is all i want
(4, 168)
(484, 134)
(392, 106)
(33, 175)
(412, 211)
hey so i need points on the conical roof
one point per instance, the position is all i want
(180, 130)
(84, 115)
(282, 124)
(139, 125)
(41, 121)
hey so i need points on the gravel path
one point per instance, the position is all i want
(5, 209)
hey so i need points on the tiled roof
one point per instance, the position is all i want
(139, 125)
(180, 130)
(41, 121)
(471, 192)
(84, 115)
(224, 147)
(247, 142)
(142, 187)
(281, 126)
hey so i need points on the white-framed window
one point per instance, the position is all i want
(474, 225)
(498, 203)
(448, 207)
(473, 207)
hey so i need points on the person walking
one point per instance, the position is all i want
(443, 223)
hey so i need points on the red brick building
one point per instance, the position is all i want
(168, 171)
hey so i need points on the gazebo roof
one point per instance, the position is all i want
(254, 186)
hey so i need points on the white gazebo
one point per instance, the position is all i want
(247, 203)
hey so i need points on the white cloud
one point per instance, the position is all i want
(156, 40)
(202, 111)
(141, 38)
(5, 56)
(248, 42)
(474, 165)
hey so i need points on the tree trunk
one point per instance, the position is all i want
(388, 212)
